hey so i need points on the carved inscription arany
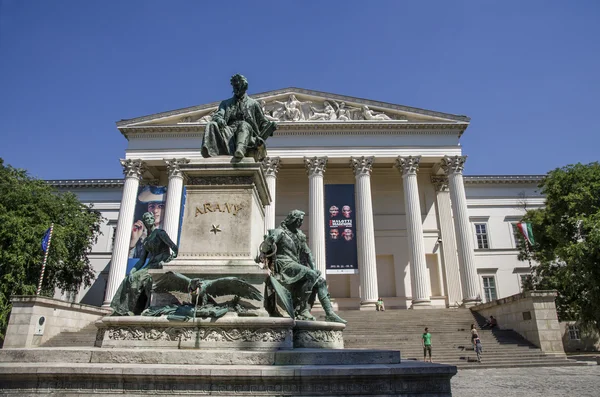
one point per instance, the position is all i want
(229, 208)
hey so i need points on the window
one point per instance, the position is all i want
(481, 235)
(489, 288)
(574, 332)
(516, 234)
(524, 278)
(113, 233)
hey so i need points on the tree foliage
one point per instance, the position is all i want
(28, 207)
(567, 241)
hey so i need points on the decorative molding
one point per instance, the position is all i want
(453, 164)
(327, 109)
(304, 337)
(86, 183)
(408, 165)
(212, 334)
(315, 166)
(469, 179)
(132, 168)
(440, 183)
(497, 179)
(270, 166)
(149, 182)
(148, 333)
(304, 128)
(174, 167)
(185, 112)
(362, 165)
(220, 180)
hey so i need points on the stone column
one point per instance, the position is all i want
(420, 285)
(133, 170)
(271, 168)
(365, 231)
(453, 166)
(174, 191)
(315, 167)
(448, 240)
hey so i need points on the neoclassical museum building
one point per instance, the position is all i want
(391, 210)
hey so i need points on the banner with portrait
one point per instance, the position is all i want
(149, 199)
(340, 230)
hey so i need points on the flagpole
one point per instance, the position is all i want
(39, 288)
(528, 253)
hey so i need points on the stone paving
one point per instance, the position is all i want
(528, 382)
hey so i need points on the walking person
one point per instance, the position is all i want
(426, 344)
(474, 335)
(478, 348)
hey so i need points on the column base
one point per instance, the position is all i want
(421, 304)
(470, 302)
(367, 305)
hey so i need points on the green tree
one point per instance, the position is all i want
(27, 208)
(567, 241)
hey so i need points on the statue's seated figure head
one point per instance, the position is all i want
(239, 84)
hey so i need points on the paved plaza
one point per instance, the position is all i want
(528, 382)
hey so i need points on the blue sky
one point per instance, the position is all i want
(526, 72)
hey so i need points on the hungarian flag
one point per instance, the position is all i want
(526, 231)
(46, 239)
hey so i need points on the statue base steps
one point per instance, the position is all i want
(232, 331)
(139, 372)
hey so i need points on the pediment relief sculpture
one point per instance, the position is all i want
(295, 110)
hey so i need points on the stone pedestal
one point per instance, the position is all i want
(223, 219)
(228, 332)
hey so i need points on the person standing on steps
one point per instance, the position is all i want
(474, 334)
(426, 344)
(478, 348)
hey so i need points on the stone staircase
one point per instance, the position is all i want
(451, 338)
(85, 337)
(402, 329)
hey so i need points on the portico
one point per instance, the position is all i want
(415, 248)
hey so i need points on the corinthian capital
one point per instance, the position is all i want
(270, 166)
(315, 166)
(408, 165)
(440, 183)
(132, 168)
(173, 167)
(453, 164)
(362, 165)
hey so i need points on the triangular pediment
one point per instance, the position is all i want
(296, 105)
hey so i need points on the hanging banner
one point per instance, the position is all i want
(149, 199)
(340, 230)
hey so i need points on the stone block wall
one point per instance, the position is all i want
(532, 314)
(588, 341)
(25, 328)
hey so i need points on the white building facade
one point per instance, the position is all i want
(427, 234)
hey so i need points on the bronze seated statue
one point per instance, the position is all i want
(293, 281)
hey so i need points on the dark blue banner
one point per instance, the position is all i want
(340, 230)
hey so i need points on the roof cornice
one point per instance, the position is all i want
(469, 179)
(501, 179)
(386, 105)
(318, 128)
(86, 183)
